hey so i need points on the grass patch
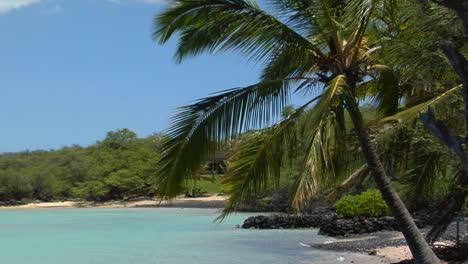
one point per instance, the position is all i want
(212, 187)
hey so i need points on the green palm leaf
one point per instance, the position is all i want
(219, 25)
(258, 160)
(384, 132)
(385, 90)
(199, 129)
(412, 112)
(318, 164)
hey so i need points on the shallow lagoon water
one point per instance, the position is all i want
(152, 236)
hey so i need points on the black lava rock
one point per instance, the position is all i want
(328, 221)
(290, 221)
(360, 225)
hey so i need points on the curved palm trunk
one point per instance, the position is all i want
(420, 250)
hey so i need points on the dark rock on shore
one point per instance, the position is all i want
(319, 218)
(360, 225)
(426, 216)
(366, 243)
(328, 221)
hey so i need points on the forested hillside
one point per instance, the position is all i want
(118, 167)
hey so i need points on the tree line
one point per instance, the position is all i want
(118, 167)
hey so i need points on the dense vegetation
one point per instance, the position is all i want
(421, 168)
(119, 166)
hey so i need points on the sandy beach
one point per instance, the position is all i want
(181, 202)
(390, 246)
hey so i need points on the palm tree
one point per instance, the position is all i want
(434, 24)
(318, 48)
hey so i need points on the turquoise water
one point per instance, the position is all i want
(150, 235)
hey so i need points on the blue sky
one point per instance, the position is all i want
(71, 70)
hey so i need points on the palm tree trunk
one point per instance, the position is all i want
(420, 250)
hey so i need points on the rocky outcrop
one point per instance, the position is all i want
(328, 221)
(358, 225)
(285, 221)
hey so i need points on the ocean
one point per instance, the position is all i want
(152, 236)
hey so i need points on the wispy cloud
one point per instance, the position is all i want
(9, 5)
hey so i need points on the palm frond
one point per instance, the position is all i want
(412, 112)
(317, 165)
(346, 184)
(421, 178)
(417, 60)
(388, 137)
(311, 18)
(396, 150)
(219, 25)
(359, 14)
(385, 89)
(258, 160)
(289, 61)
(199, 129)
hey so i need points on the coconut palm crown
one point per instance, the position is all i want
(316, 48)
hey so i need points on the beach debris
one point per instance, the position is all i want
(340, 259)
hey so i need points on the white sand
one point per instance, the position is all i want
(201, 202)
(394, 254)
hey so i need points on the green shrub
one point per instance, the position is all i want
(26, 201)
(91, 191)
(369, 202)
(348, 206)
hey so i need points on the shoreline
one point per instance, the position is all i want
(386, 246)
(211, 202)
(390, 246)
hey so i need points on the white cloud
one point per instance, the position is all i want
(8, 5)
